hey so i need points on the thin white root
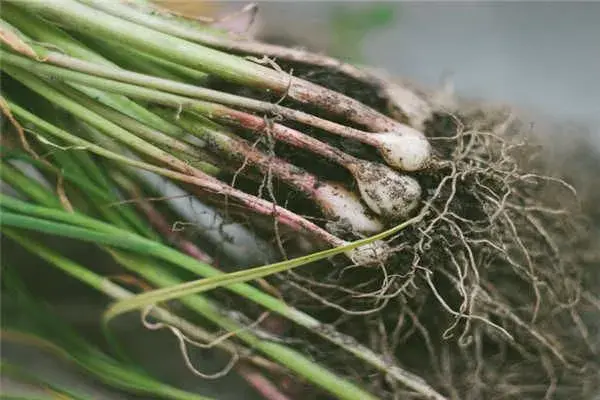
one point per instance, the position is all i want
(183, 340)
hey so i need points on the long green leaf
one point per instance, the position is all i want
(203, 285)
(249, 292)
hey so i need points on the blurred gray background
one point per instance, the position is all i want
(541, 56)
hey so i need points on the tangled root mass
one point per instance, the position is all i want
(489, 296)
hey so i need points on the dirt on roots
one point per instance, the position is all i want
(491, 295)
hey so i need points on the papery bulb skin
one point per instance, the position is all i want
(413, 107)
(370, 254)
(342, 205)
(385, 191)
(405, 149)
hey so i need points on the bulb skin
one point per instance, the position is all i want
(405, 149)
(385, 191)
(369, 254)
(344, 206)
